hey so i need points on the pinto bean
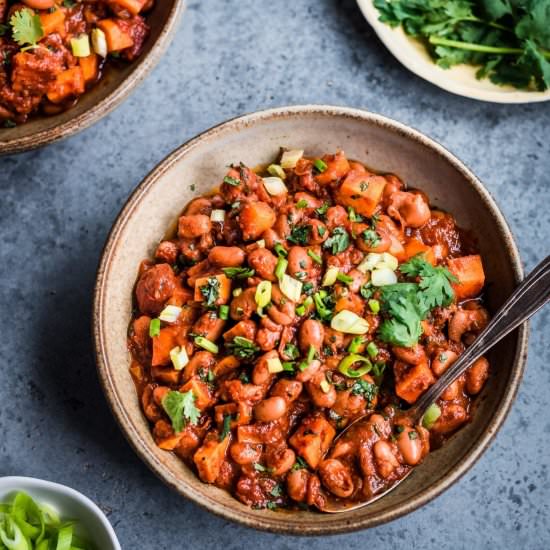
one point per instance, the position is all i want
(382, 425)
(319, 397)
(467, 320)
(453, 391)
(244, 305)
(318, 232)
(309, 372)
(288, 389)
(167, 251)
(410, 209)
(280, 461)
(226, 256)
(412, 356)
(260, 373)
(200, 205)
(410, 446)
(39, 4)
(452, 417)
(296, 484)
(477, 375)
(311, 333)
(442, 361)
(194, 226)
(298, 261)
(154, 288)
(336, 477)
(264, 262)
(270, 409)
(386, 461)
(336, 216)
(245, 453)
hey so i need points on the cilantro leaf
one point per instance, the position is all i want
(404, 329)
(299, 234)
(180, 407)
(211, 291)
(366, 389)
(26, 27)
(243, 348)
(338, 241)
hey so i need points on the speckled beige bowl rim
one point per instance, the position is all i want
(141, 447)
(102, 108)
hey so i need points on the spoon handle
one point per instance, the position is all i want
(525, 301)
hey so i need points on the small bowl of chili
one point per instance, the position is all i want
(334, 269)
(67, 64)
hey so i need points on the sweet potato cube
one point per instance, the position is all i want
(412, 381)
(471, 277)
(415, 247)
(117, 39)
(90, 67)
(53, 22)
(203, 397)
(67, 83)
(223, 288)
(313, 438)
(362, 191)
(168, 338)
(255, 218)
(133, 6)
(337, 167)
(165, 437)
(210, 457)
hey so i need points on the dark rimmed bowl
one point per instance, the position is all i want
(255, 139)
(115, 86)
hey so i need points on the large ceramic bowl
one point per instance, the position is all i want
(255, 139)
(110, 91)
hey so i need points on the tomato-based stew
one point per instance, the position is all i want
(292, 301)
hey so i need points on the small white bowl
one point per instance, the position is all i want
(69, 503)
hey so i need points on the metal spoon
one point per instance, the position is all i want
(525, 301)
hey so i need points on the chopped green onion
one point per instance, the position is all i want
(345, 366)
(280, 250)
(310, 357)
(320, 165)
(302, 203)
(263, 295)
(355, 344)
(179, 357)
(226, 427)
(290, 287)
(430, 416)
(64, 538)
(300, 310)
(217, 216)
(238, 272)
(274, 365)
(315, 257)
(280, 268)
(170, 314)
(81, 46)
(343, 278)
(99, 42)
(276, 170)
(261, 243)
(372, 350)
(231, 181)
(275, 186)
(349, 322)
(288, 366)
(224, 312)
(154, 328)
(369, 262)
(330, 277)
(206, 344)
(383, 276)
(237, 292)
(289, 159)
(374, 306)
(323, 311)
(325, 385)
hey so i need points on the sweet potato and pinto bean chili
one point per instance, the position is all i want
(290, 302)
(52, 51)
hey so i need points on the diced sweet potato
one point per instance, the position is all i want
(166, 375)
(249, 434)
(255, 218)
(337, 167)
(412, 381)
(117, 38)
(225, 365)
(203, 397)
(415, 247)
(168, 338)
(165, 437)
(210, 456)
(362, 191)
(53, 22)
(67, 83)
(313, 438)
(90, 67)
(223, 291)
(471, 277)
(133, 6)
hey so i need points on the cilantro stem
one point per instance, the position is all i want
(489, 23)
(479, 47)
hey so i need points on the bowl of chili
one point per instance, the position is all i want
(67, 64)
(163, 417)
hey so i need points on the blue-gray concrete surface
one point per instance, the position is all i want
(57, 204)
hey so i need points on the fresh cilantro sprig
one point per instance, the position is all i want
(243, 348)
(211, 291)
(26, 28)
(180, 407)
(407, 304)
(338, 241)
(508, 40)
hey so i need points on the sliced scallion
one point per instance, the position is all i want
(345, 366)
(315, 257)
(206, 344)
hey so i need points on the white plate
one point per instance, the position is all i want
(68, 503)
(459, 80)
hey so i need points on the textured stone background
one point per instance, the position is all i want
(58, 203)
